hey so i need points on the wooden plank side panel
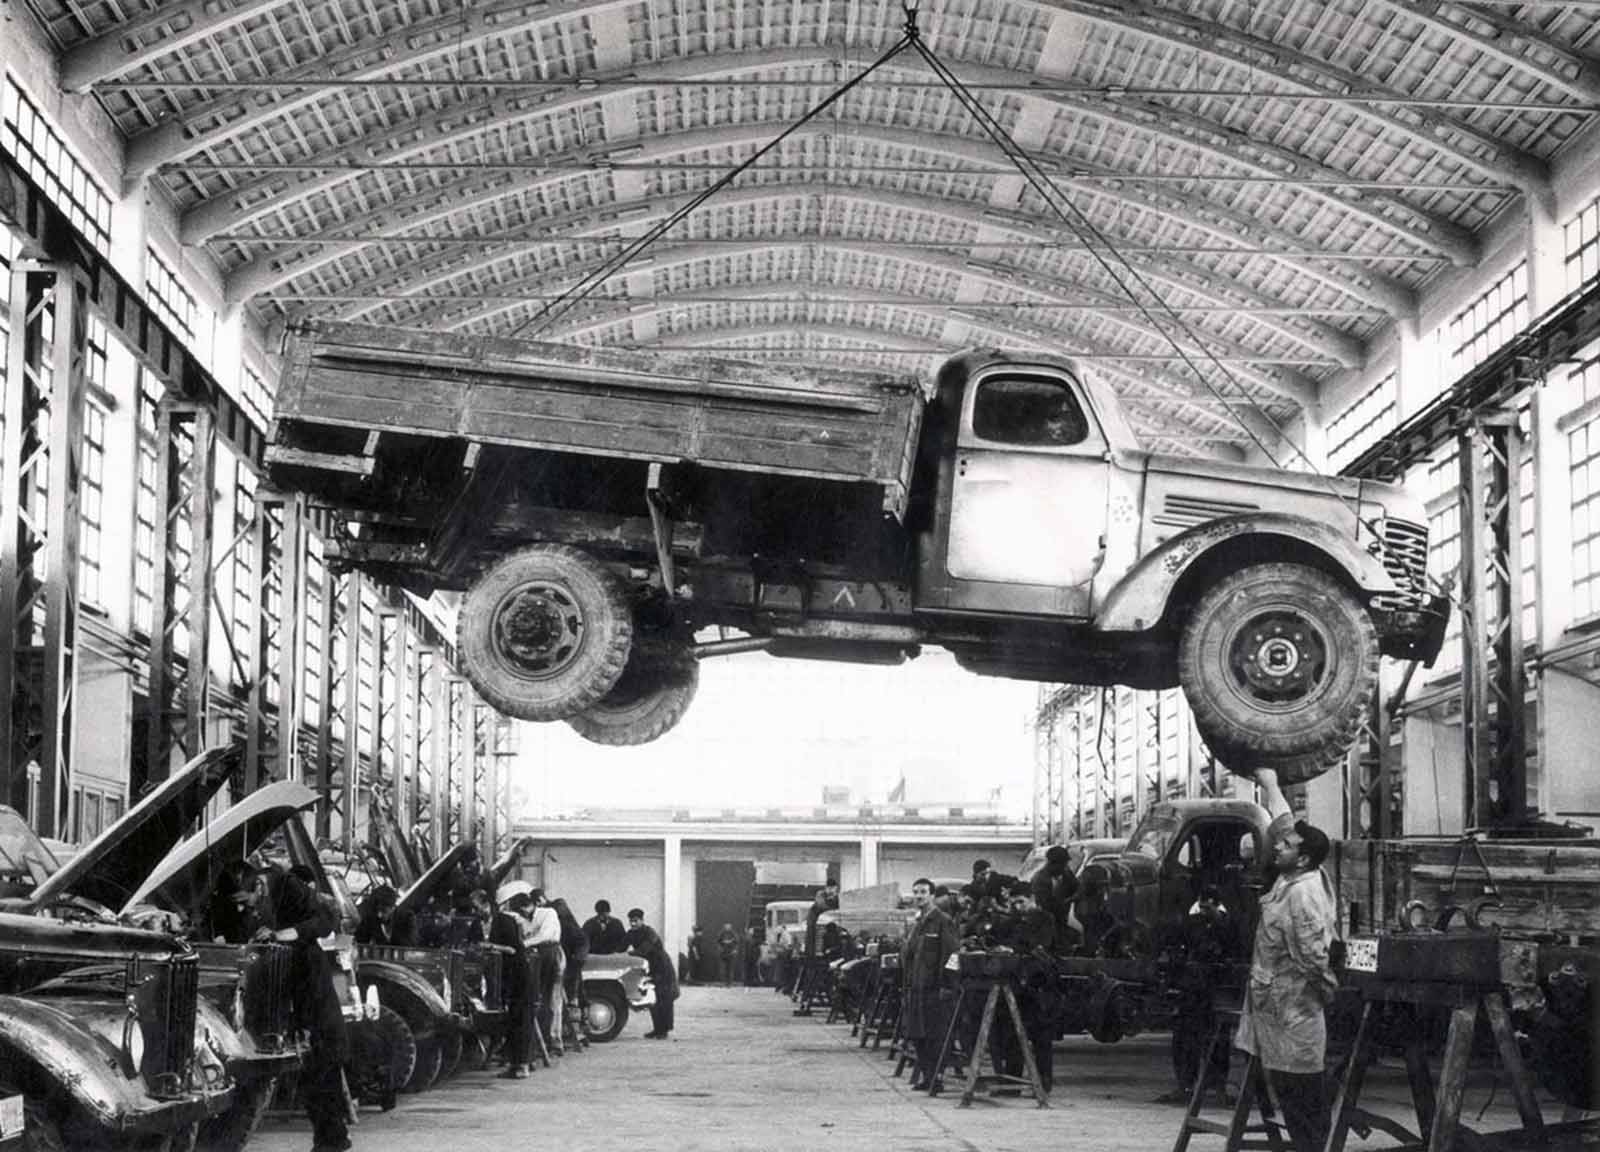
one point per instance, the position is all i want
(1542, 889)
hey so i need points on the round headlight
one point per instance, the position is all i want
(133, 1040)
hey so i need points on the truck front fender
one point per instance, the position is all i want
(1140, 598)
(408, 993)
(57, 1054)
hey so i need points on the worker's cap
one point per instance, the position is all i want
(515, 891)
(979, 866)
(1056, 854)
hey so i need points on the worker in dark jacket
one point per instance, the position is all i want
(929, 946)
(606, 934)
(826, 900)
(645, 942)
(377, 916)
(281, 909)
(1054, 888)
(520, 989)
(1030, 931)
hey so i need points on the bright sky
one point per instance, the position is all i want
(764, 732)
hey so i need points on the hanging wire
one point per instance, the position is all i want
(1105, 251)
(582, 290)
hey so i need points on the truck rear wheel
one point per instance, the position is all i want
(545, 633)
(653, 693)
(1280, 663)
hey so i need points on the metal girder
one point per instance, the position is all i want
(433, 730)
(45, 228)
(350, 794)
(385, 778)
(414, 212)
(1291, 385)
(1260, 56)
(40, 477)
(146, 38)
(1493, 669)
(180, 632)
(1502, 43)
(1227, 228)
(333, 626)
(495, 113)
(459, 748)
(1185, 275)
(277, 607)
(1375, 777)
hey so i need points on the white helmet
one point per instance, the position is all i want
(510, 890)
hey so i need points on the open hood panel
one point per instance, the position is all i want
(111, 866)
(184, 880)
(427, 885)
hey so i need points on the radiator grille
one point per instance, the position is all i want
(182, 999)
(268, 1004)
(1405, 557)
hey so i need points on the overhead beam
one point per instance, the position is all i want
(156, 34)
(1390, 213)
(1288, 384)
(1226, 225)
(1183, 275)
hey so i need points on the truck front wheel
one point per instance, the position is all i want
(545, 633)
(1279, 662)
(653, 693)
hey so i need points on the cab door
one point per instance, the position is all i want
(1032, 475)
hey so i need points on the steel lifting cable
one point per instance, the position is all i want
(581, 291)
(1104, 250)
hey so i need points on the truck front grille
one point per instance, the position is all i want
(1405, 557)
(268, 1009)
(176, 1008)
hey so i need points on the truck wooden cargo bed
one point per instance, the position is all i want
(345, 386)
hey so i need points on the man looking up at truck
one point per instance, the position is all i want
(1290, 984)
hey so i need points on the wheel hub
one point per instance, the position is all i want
(538, 629)
(1278, 657)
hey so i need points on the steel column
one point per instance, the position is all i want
(1493, 675)
(181, 585)
(39, 491)
(432, 745)
(286, 764)
(352, 713)
(329, 704)
(467, 820)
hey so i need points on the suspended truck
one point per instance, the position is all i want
(598, 508)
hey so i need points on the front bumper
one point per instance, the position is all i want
(1416, 633)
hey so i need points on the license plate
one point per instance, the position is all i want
(1361, 954)
(11, 1117)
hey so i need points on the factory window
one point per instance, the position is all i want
(1360, 425)
(41, 153)
(144, 505)
(1489, 321)
(91, 502)
(257, 396)
(1583, 246)
(1583, 443)
(173, 302)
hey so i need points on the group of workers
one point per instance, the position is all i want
(1289, 985)
(546, 948)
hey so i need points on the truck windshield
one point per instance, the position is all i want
(1155, 833)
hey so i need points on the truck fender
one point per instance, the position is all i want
(1139, 600)
(56, 1053)
(408, 994)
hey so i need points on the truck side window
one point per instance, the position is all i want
(1029, 410)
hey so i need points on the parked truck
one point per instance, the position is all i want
(1529, 906)
(599, 508)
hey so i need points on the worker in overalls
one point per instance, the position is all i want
(1291, 982)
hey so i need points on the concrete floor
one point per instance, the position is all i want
(742, 1073)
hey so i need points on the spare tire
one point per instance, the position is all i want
(545, 633)
(1279, 663)
(651, 696)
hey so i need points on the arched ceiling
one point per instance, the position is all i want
(1287, 175)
